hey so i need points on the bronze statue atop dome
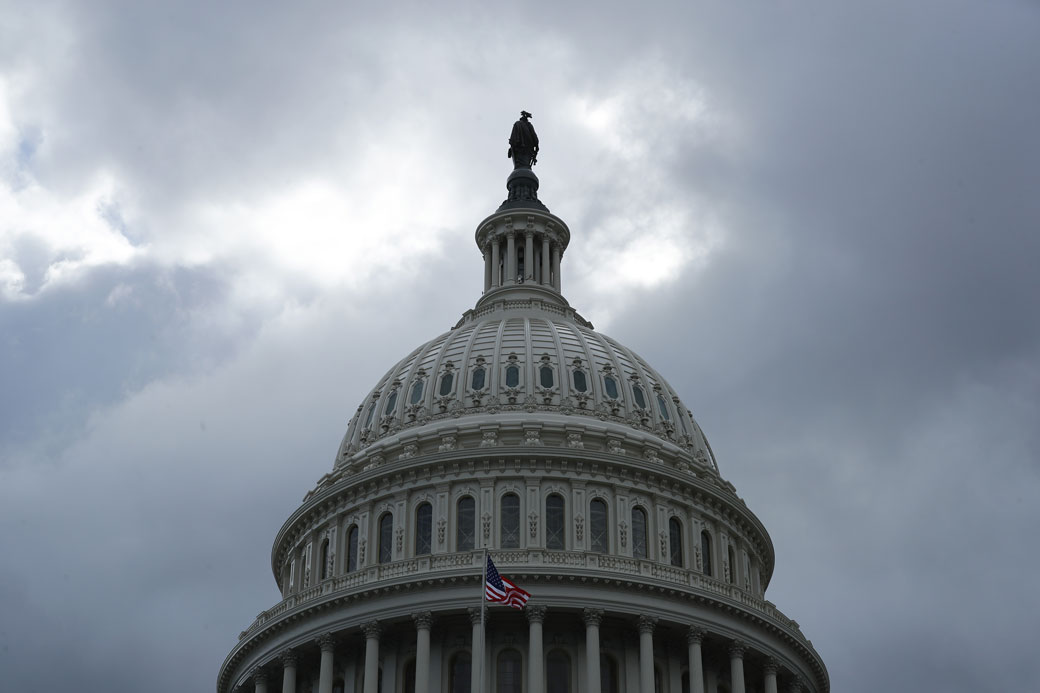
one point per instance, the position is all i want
(523, 143)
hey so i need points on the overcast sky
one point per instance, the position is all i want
(220, 225)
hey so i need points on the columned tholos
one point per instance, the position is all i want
(259, 681)
(556, 266)
(694, 638)
(646, 653)
(496, 272)
(476, 648)
(593, 617)
(328, 645)
(769, 671)
(372, 629)
(736, 666)
(535, 618)
(423, 621)
(288, 672)
(546, 270)
(529, 256)
(511, 258)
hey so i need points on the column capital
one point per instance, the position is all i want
(695, 635)
(423, 619)
(535, 613)
(770, 667)
(647, 624)
(474, 614)
(326, 641)
(796, 685)
(593, 617)
(372, 629)
(289, 658)
(258, 675)
(737, 649)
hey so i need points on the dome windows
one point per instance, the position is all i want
(638, 397)
(581, 383)
(598, 526)
(368, 416)
(447, 380)
(391, 404)
(546, 376)
(639, 545)
(554, 522)
(675, 542)
(478, 379)
(512, 376)
(386, 537)
(465, 536)
(509, 537)
(706, 553)
(423, 529)
(352, 549)
(610, 385)
(417, 390)
(663, 407)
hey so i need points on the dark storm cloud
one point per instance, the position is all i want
(860, 347)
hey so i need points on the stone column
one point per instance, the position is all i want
(288, 672)
(510, 260)
(770, 675)
(496, 278)
(529, 256)
(487, 266)
(736, 666)
(694, 638)
(259, 680)
(546, 270)
(327, 644)
(646, 654)
(476, 651)
(423, 621)
(593, 617)
(535, 656)
(556, 266)
(372, 629)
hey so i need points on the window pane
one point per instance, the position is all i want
(664, 409)
(547, 376)
(608, 678)
(638, 533)
(510, 522)
(446, 381)
(323, 556)
(554, 522)
(580, 384)
(464, 538)
(478, 379)
(460, 673)
(611, 386)
(558, 673)
(598, 525)
(423, 529)
(391, 402)
(416, 392)
(732, 565)
(368, 417)
(508, 676)
(637, 394)
(706, 552)
(386, 531)
(675, 542)
(512, 376)
(352, 537)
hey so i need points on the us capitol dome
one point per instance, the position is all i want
(568, 458)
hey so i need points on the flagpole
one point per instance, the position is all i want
(483, 599)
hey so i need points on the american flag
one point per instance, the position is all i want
(500, 589)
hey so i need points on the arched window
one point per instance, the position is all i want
(417, 389)
(447, 380)
(608, 674)
(557, 672)
(459, 681)
(598, 525)
(732, 564)
(509, 522)
(368, 416)
(323, 556)
(706, 552)
(581, 384)
(675, 542)
(386, 538)
(512, 376)
(478, 378)
(610, 385)
(508, 675)
(638, 533)
(423, 529)
(554, 522)
(637, 395)
(465, 535)
(391, 403)
(545, 374)
(664, 408)
(409, 677)
(352, 549)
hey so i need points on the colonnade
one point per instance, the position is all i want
(542, 267)
(701, 681)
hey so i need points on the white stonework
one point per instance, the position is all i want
(476, 439)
